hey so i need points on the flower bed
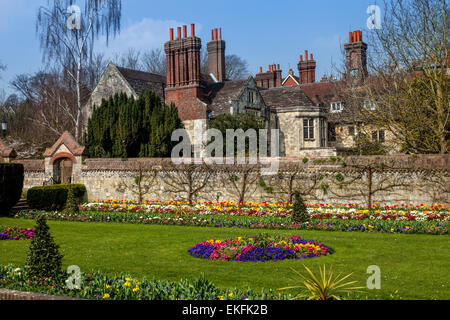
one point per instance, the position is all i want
(98, 286)
(403, 212)
(222, 221)
(16, 233)
(259, 248)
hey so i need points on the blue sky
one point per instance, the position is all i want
(262, 32)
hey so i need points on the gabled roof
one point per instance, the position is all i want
(221, 94)
(323, 92)
(286, 97)
(6, 152)
(290, 79)
(140, 81)
(69, 141)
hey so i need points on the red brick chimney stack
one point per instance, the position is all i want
(270, 79)
(356, 58)
(307, 69)
(183, 74)
(216, 55)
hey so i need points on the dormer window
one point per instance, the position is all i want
(336, 107)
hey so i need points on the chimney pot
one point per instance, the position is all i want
(311, 57)
(350, 37)
(212, 34)
(215, 34)
(301, 58)
(184, 31)
(220, 33)
(192, 30)
(360, 36)
(306, 55)
(171, 34)
(355, 36)
(179, 32)
(278, 67)
(260, 70)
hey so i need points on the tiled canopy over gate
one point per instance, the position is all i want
(65, 147)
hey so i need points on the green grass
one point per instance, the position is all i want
(412, 266)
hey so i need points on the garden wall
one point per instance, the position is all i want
(387, 179)
(35, 174)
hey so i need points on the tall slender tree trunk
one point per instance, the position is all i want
(369, 187)
(77, 124)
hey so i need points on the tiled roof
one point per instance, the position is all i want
(221, 94)
(141, 81)
(283, 97)
(69, 141)
(322, 92)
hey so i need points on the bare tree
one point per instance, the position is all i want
(241, 179)
(130, 59)
(185, 180)
(2, 68)
(51, 100)
(142, 183)
(291, 178)
(95, 69)
(409, 87)
(236, 67)
(365, 177)
(67, 35)
(154, 61)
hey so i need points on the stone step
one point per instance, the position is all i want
(21, 205)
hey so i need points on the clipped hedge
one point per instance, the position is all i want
(53, 197)
(11, 184)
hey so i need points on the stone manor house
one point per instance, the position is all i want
(305, 111)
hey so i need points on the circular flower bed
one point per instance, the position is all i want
(16, 233)
(261, 247)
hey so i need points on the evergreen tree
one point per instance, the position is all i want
(123, 127)
(299, 210)
(43, 259)
(71, 206)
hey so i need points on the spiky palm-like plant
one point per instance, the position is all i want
(324, 286)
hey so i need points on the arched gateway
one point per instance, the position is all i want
(64, 158)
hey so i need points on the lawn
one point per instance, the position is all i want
(412, 266)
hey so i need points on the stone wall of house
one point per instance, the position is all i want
(395, 180)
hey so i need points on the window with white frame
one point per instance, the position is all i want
(336, 107)
(308, 129)
(369, 105)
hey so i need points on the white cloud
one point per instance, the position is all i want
(143, 35)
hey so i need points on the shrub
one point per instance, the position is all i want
(11, 184)
(325, 286)
(299, 211)
(71, 203)
(43, 259)
(53, 197)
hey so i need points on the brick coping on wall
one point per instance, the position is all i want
(19, 295)
(353, 163)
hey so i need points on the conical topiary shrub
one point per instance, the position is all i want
(71, 203)
(299, 211)
(43, 259)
